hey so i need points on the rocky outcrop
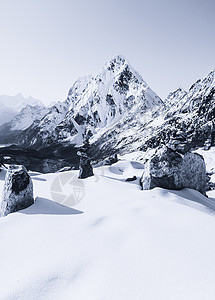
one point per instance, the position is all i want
(172, 170)
(17, 191)
(85, 168)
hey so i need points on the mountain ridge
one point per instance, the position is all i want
(120, 113)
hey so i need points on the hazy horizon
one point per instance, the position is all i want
(47, 45)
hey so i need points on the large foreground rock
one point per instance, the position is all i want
(17, 191)
(172, 170)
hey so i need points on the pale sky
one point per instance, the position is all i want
(47, 44)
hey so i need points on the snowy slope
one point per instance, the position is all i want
(10, 129)
(27, 116)
(187, 121)
(6, 113)
(117, 243)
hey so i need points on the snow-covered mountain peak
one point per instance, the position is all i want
(182, 101)
(175, 97)
(119, 66)
(97, 103)
(202, 86)
(116, 63)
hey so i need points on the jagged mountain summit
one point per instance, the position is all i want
(97, 104)
(191, 100)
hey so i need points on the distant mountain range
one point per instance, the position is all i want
(18, 102)
(121, 114)
(18, 113)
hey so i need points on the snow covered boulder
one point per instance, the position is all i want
(17, 190)
(172, 170)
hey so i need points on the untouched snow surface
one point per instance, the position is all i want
(117, 243)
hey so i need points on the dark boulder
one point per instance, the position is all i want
(131, 178)
(172, 170)
(85, 168)
(17, 190)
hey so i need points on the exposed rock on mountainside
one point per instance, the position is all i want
(17, 191)
(171, 170)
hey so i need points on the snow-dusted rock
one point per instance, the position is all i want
(17, 191)
(172, 170)
(23, 119)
